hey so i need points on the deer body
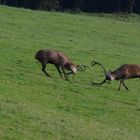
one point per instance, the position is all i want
(57, 58)
(126, 71)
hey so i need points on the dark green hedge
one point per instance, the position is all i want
(109, 6)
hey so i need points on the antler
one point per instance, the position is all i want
(82, 67)
(93, 63)
(79, 68)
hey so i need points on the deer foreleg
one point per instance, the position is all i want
(120, 85)
(64, 72)
(59, 71)
(43, 69)
(69, 73)
(125, 85)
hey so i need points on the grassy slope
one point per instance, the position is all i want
(33, 107)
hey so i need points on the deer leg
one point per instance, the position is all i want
(120, 85)
(43, 69)
(73, 76)
(69, 73)
(59, 71)
(64, 72)
(125, 85)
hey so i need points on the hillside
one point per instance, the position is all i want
(33, 107)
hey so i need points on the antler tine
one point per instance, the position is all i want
(104, 81)
(68, 73)
(93, 63)
(82, 67)
(85, 66)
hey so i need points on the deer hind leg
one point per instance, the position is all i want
(125, 85)
(43, 69)
(59, 71)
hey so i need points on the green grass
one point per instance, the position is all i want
(33, 107)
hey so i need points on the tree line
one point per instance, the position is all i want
(108, 6)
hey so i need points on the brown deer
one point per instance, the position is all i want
(57, 58)
(126, 71)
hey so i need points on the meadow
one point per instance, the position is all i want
(33, 107)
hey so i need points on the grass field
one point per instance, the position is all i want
(33, 107)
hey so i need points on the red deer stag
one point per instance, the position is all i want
(57, 58)
(126, 71)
